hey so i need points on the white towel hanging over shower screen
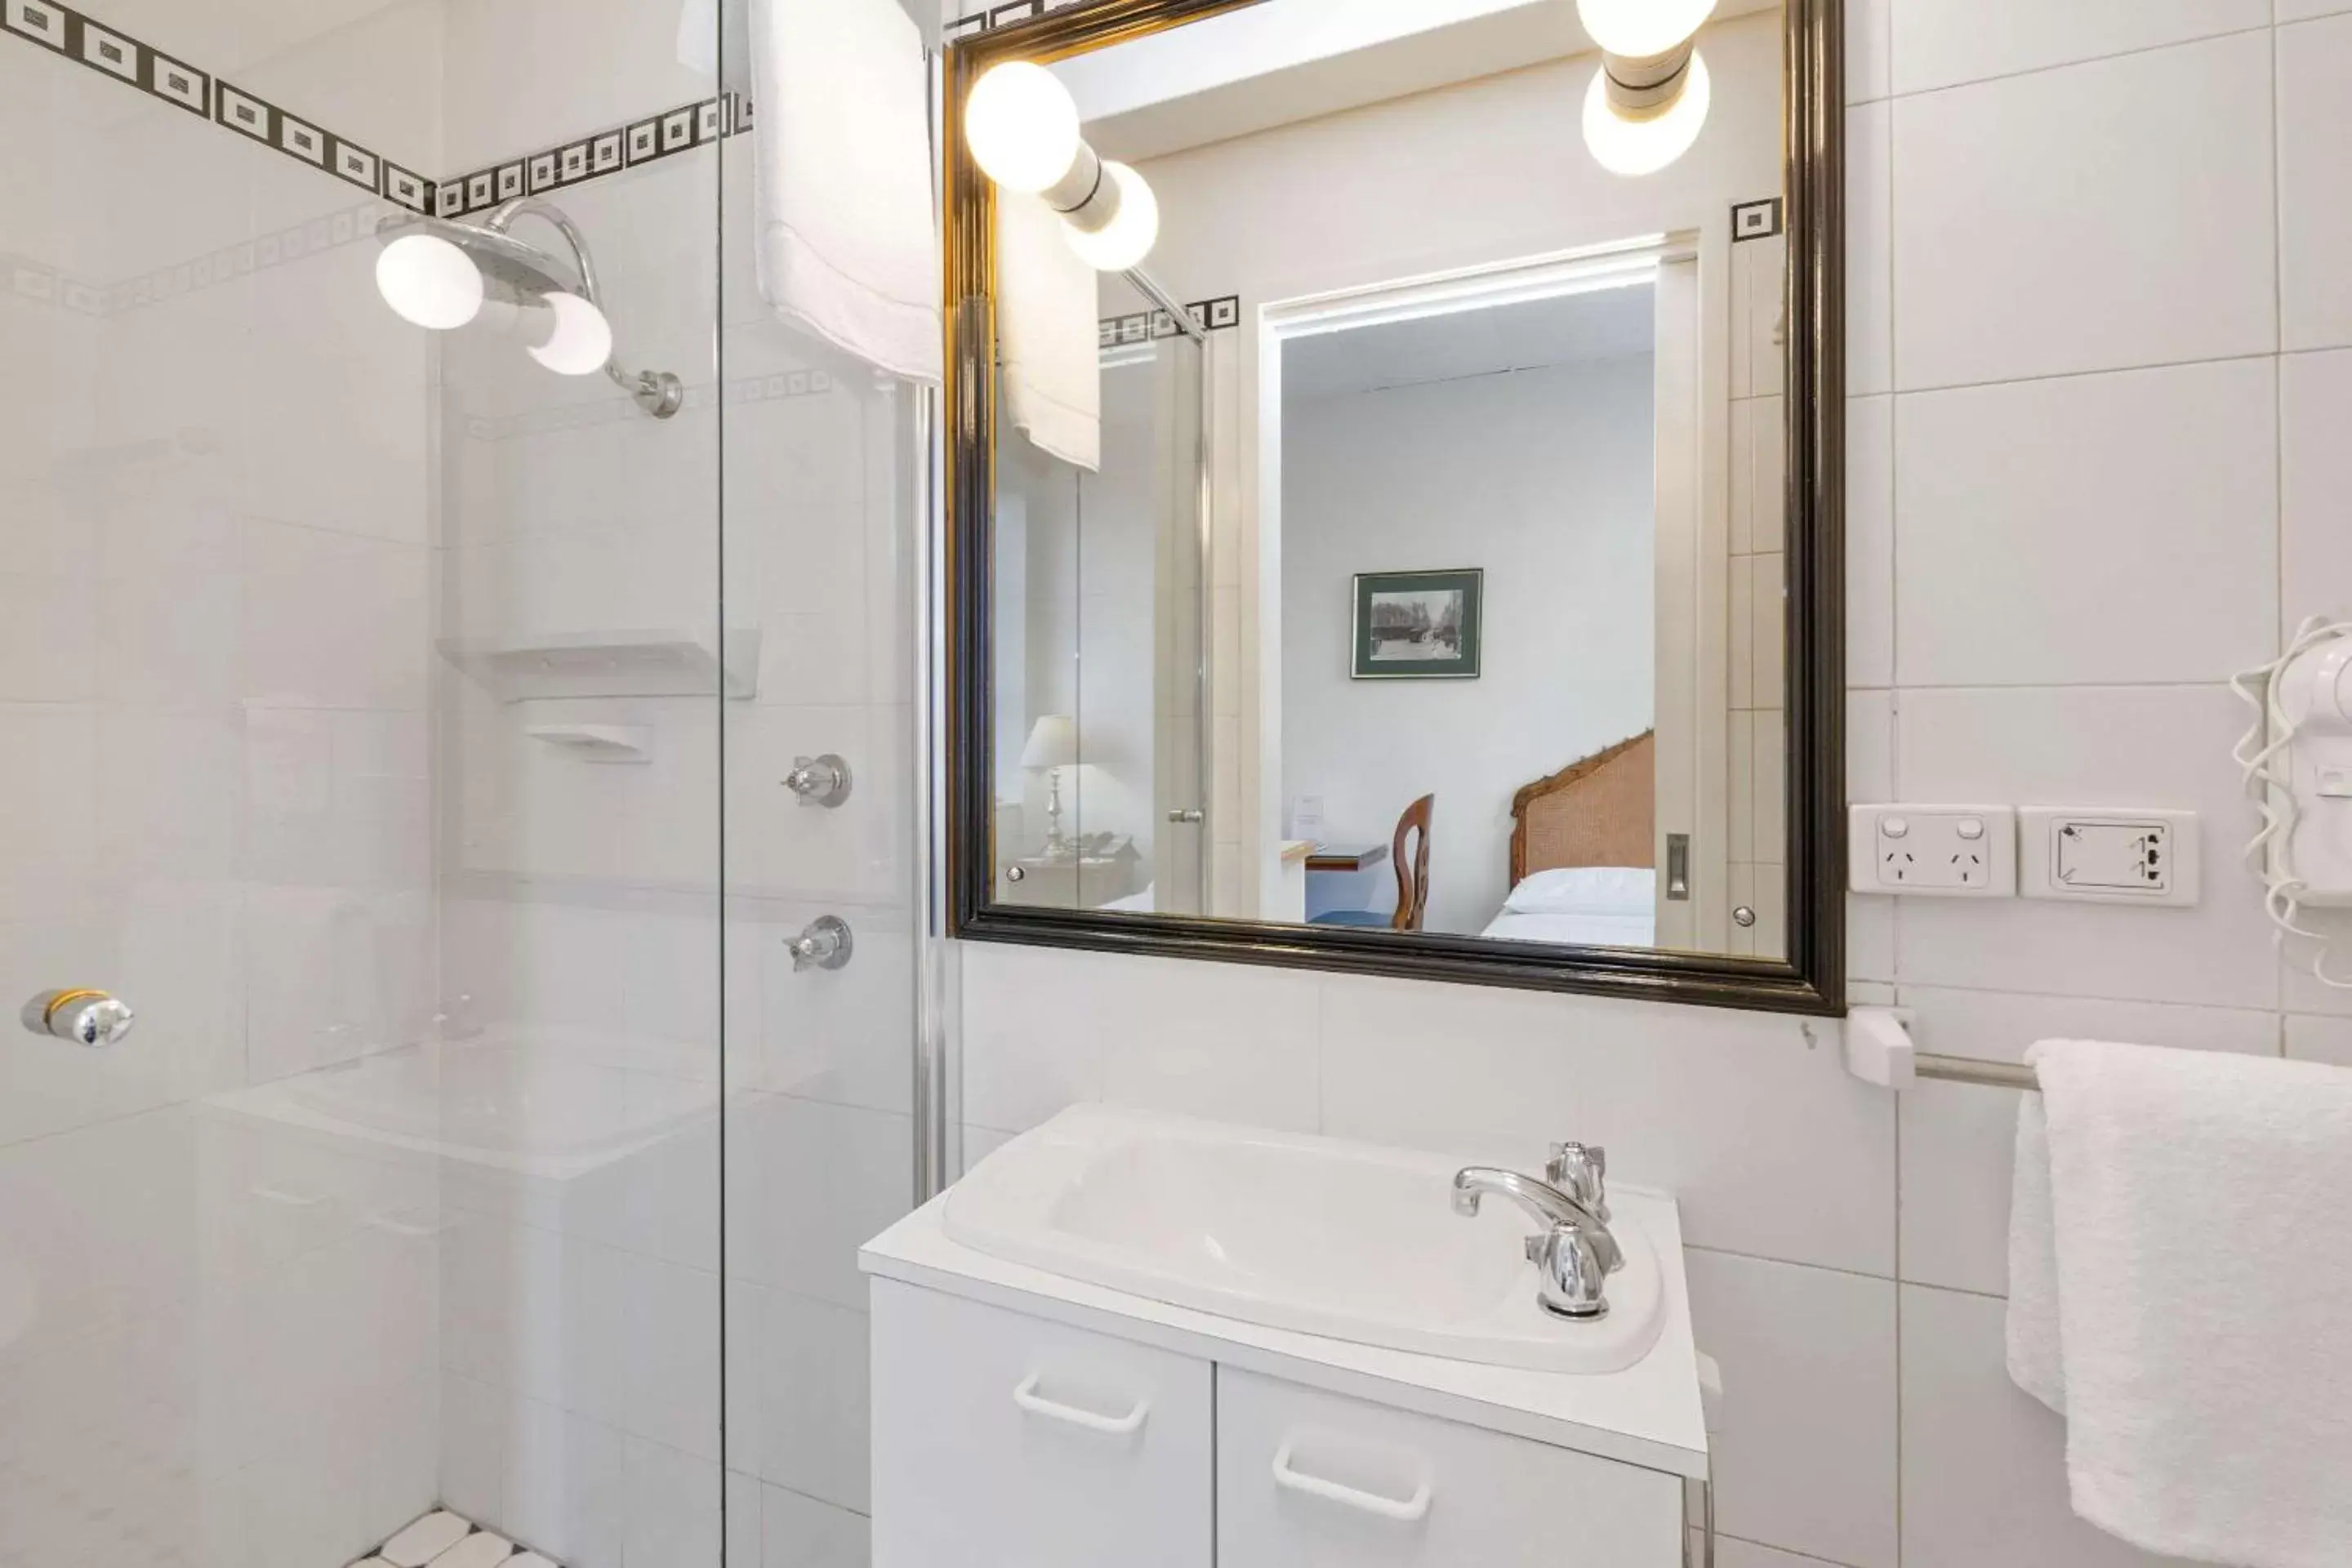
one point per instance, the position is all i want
(848, 236)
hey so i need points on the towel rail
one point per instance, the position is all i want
(1967, 1069)
(1879, 1049)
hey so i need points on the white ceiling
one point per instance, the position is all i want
(1606, 323)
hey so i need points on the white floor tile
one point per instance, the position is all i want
(425, 1540)
(480, 1550)
(2099, 528)
(1938, 43)
(2022, 209)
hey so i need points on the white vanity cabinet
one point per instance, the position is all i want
(1002, 1439)
(1007, 1441)
(1311, 1479)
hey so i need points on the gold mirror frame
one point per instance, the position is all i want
(1811, 978)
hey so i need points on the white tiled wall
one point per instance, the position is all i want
(2086, 485)
(214, 495)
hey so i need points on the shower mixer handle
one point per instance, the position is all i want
(825, 944)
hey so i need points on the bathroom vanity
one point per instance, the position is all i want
(1146, 1341)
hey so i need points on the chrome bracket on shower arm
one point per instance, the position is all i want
(657, 391)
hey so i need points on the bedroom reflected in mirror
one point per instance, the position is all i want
(1384, 534)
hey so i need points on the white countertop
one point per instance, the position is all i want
(1648, 1414)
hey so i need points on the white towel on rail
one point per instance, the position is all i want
(848, 239)
(1047, 332)
(2180, 1249)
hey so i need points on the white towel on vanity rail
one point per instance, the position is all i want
(1047, 306)
(2180, 1255)
(848, 241)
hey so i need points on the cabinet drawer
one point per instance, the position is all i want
(1004, 1441)
(1309, 1480)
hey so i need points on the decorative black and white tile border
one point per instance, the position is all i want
(150, 70)
(990, 18)
(1142, 326)
(606, 152)
(1755, 220)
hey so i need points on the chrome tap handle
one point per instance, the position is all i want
(84, 1016)
(819, 781)
(1572, 1278)
(827, 944)
(1582, 1170)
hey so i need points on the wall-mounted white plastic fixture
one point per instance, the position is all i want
(599, 742)
(1941, 851)
(2107, 856)
(1022, 126)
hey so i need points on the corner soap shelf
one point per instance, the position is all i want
(609, 664)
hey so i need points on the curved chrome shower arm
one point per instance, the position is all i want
(659, 393)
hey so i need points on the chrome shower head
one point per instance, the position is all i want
(443, 282)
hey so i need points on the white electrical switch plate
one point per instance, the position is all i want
(1941, 851)
(2107, 855)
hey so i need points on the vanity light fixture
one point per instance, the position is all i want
(441, 274)
(1649, 99)
(1022, 126)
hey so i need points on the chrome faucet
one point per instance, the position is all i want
(1582, 1170)
(1574, 1253)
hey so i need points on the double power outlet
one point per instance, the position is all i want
(2093, 855)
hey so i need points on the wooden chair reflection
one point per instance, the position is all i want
(1411, 875)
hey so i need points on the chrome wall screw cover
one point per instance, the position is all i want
(819, 781)
(84, 1016)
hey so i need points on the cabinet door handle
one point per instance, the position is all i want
(1029, 1399)
(1410, 1511)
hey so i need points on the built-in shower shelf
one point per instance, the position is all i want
(609, 664)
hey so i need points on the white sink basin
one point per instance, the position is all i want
(1347, 1240)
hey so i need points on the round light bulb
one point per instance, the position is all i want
(1128, 237)
(1640, 29)
(581, 343)
(429, 282)
(1022, 126)
(1634, 147)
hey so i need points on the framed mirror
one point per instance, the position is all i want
(1395, 488)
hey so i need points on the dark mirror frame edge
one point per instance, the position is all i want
(1811, 980)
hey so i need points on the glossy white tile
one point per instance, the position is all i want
(2314, 475)
(1870, 249)
(2022, 241)
(1984, 1466)
(2315, 118)
(1957, 1139)
(1771, 1148)
(1807, 1451)
(2115, 504)
(2091, 745)
(1938, 43)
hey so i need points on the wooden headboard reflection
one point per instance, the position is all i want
(1602, 811)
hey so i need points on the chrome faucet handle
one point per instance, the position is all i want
(1572, 1278)
(825, 944)
(86, 1017)
(1582, 1170)
(819, 781)
(1574, 1253)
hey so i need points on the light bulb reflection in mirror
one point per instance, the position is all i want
(1635, 147)
(1639, 29)
(429, 282)
(582, 343)
(1022, 126)
(1132, 231)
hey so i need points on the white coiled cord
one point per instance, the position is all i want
(2272, 789)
